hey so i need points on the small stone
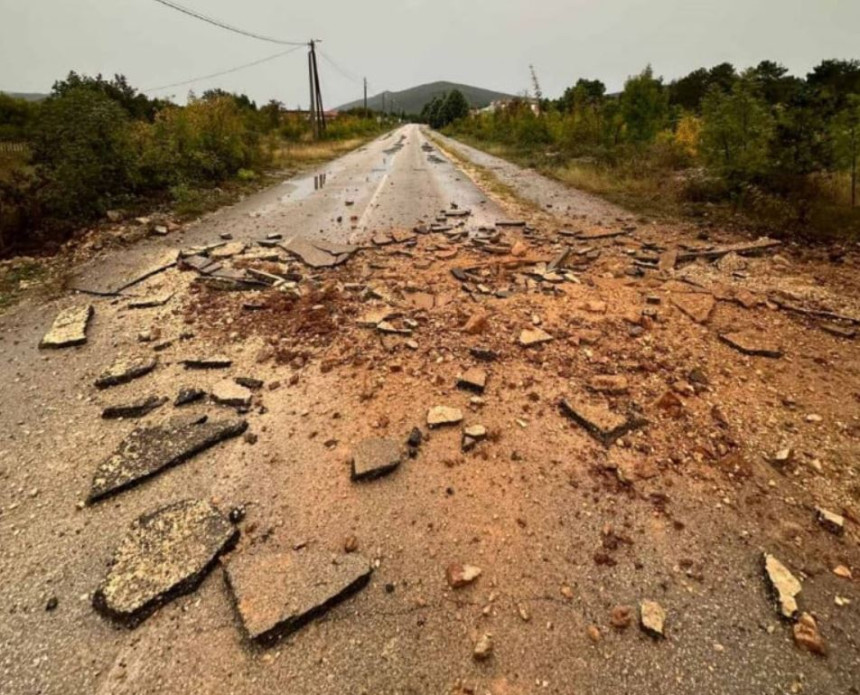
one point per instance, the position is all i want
(124, 371)
(477, 432)
(442, 415)
(621, 617)
(784, 584)
(473, 380)
(374, 458)
(227, 250)
(52, 604)
(652, 618)
(483, 354)
(476, 324)
(459, 576)
(601, 423)
(536, 336)
(807, 636)
(249, 383)
(350, 544)
(523, 612)
(483, 648)
(697, 306)
(593, 633)
(830, 521)
(615, 385)
(416, 437)
(843, 572)
(231, 394)
(216, 362)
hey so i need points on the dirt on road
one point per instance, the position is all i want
(505, 438)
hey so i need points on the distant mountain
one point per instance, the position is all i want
(413, 100)
(26, 96)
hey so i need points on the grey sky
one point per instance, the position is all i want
(402, 43)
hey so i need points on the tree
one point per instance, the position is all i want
(846, 137)
(688, 92)
(456, 107)
(774, 83)
(737, 129)
(644, 106)
(135, 104)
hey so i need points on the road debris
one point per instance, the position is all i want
(374, 458)
(215, 362)
(652, 618)
(832, 522)
(807, 636)
(125, 370)
(276, 593)
(442, 415)
(459, 576)
(135, 409)
(69, 328)
(600, 422)
(148, 451)
(534, 336)
(751, 344)
(784, 584)
(474, 379)
(167, 553)
(227, 392)
(483, 647)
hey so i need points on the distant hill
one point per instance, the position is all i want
(413, 100)
(26, 96)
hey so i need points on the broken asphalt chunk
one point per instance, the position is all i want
(830, 521)
(374, 458)
(151, 302)
(751, 344)
(600, 422)
(276, 593)
(166, 554)
(148, 451)
(216, 362)
(69, 328)
(698, 306)
(126, 370)
(189, 395)
(473, 380)
(784, 584)
(536, 336)
(135, 409)
(441, 415)
(231, 394)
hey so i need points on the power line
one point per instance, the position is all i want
(225, 72)
(343, 71)
(228, 27)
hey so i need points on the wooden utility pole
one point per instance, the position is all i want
(317, 112)
(365, 96)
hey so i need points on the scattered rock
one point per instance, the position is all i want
(51, 604)
(784, 584)
(249, 383)
(832, 522)
(807, 636)
(69, 328)
(696, 305)
(843, 572)
(231, 394)
(350, 544)
(374, 458)
(167, 553)
(535, 336)
(621, 617)
(652, 618)
(593, 633)
(189, 395)
(609, 384)
(124, 371)
(416, 437)
(148, 451)
(441, 415)
(136, 409)
(483, 648)
(227, 250)
(276, 593)
(483, 354)
(600, 422)
(476, 324)
(459, 576)
(473, 380)
(751, 344)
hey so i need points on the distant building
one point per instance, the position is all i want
(504, 105)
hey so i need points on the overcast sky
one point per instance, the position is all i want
(402, 43)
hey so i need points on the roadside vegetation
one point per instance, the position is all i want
(97, 145)
(760, 147)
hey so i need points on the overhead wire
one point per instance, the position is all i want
(224, 25)
(224, 72)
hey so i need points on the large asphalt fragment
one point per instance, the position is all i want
(135, 409)
(148, 451)
(167, 553)
(600, 422)
(126, 370)
(69, 328)
(276, 593)
(318, 253)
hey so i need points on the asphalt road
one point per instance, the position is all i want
(531, 512)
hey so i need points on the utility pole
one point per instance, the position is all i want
(383, 103)
(317, 113)
(365, 96)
